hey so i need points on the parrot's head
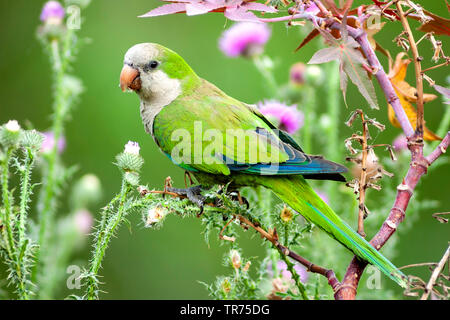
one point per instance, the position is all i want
(155, 72)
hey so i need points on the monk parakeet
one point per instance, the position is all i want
(221, 140)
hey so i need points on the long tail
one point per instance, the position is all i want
(295, 191)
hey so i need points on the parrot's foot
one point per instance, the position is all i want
(194, 194)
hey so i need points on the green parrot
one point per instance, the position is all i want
(221, 140)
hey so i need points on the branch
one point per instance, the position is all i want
(418, 69)
(419, 163)
(435, 275)
(360, 36)
(311, 267)
(418, 167)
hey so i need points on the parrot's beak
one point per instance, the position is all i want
(130, 79)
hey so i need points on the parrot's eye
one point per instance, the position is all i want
(153, 64)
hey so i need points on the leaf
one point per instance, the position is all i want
(444, 91)
(345, 50)
(397, 76)
(407, 94)
(165, 9)
(437, 24)
(308, 38)
(411, 113)
(237, 10)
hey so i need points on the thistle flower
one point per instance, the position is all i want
(286, 214)
(132, 148)
(84, 221)
(12, 126)
(287, 118)
(244, 39)
(154, 215)
(297, 73)
(49, 143)
(400, 143)
(10, 134)
(52, 13)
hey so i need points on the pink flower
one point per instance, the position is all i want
(236, 10)
(400, 143)
(52, 11)
(323, 196)
(286, 274)
(288, 118)
(297, 73)
(49, 143)
(83, 221)
(244, 38)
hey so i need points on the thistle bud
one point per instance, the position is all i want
(10, 134)
(226, 286)
(314, 75)
(52, 13)
(83, 221)
(297, 74)
(235, 259)
(87, 191)
(130, 160)
(32, 139)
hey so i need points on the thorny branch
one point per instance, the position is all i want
(270, 235)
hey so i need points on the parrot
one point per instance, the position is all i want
(182, 111)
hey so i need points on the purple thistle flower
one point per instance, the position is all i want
(288, 118)
(297, 73)
(49, 143)
(400, 143)
(83, 221)
(244, 38)
(286, 274)
(52, 11)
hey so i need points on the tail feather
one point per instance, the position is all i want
(296, 192)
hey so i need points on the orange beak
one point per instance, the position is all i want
(130, 79)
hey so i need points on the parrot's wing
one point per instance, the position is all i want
(211, 132)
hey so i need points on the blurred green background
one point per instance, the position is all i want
(168, 263)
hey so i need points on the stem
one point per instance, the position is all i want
(295, 276)
(329, 274)
(418, 69)
(362, 179)
(435, 275)
(103, 240)
(333, 110)
(309, 113)
(267, 74)
(24, 196)
(7, 231)
(46, 211)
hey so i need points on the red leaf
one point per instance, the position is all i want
(308, 38)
